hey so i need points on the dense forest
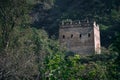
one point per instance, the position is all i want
(29, 45)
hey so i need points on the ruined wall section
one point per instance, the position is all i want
(97, 39)
(77, 37)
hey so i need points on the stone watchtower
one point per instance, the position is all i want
(82, 37)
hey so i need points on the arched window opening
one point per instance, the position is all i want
(89, 35)
(63, 36)
(71, 35)
(80, 35)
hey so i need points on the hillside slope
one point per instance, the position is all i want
(106, 13)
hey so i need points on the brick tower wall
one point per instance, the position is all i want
(79, 37)
(97, 39)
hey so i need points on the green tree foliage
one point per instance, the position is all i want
(114, 68)
(27, 53)
(22, 49)
(106, 13)
(22, 54)
(56, 67)
(12, 13)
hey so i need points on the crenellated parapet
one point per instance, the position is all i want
(80, 36)
(68, 23)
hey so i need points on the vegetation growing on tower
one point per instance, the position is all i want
(29, 48)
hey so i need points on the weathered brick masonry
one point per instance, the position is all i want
(81, 37)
